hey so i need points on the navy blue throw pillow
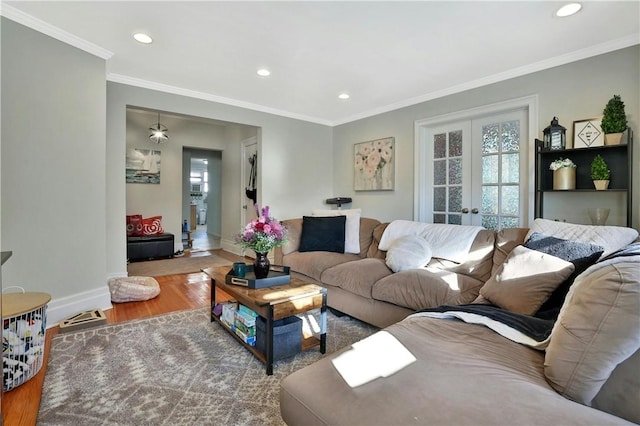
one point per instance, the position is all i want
(322, 234)
(582, 255)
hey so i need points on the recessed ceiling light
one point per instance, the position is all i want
(343, 96)
(143, 38)
(568, 10)
(263, 72)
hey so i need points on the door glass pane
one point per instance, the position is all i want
(511, 136)
(489, 200)
(455, 171)
(440, 145)
(490, 169)
(455, 143)
(509, 222)
(490, 138)
(490, 222)
(510, 200)
(455, 198)
(510, 168)
(439, 172)
(439, 199)
(455, 219)
(438, 218)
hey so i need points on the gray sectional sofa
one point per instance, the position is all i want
(584, 372)
(362, 286)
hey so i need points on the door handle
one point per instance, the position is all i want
(465, 210)
(474, 210)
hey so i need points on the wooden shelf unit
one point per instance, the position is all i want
(619, 159)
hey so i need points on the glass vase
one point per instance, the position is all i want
(261, 265)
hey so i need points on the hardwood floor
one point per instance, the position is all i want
(177, 292)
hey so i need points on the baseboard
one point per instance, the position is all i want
(64, 307)
(231, 247)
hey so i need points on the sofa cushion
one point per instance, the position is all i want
(598, 327)
(322, 234)
(314, 263)
(352, 227)
(611, 238)
(506, 240)
(376, 235)
(408, 252)
(357, 277)
(525, 280)
(426, 288)
(581, 254)
(479, 260)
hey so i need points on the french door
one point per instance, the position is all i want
(475, 171)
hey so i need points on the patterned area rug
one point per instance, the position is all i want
(177, 265)
(172, 369)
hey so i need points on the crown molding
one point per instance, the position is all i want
(598, 49)
(61, 35)
(34, 23)
(146, 84)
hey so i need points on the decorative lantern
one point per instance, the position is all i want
(555, 135)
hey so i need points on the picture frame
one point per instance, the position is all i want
(587, 133)
(142, 166)
(374, 165)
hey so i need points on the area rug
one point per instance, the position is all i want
(176, 265)
(172, 369)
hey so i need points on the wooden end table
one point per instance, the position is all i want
(272, 304)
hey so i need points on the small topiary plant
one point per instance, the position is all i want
(614, 119)
(599, 169)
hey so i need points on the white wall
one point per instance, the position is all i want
(53, 169)
(571, 92)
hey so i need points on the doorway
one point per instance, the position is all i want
(201, 210)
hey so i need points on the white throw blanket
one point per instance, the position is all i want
(379, 355)
(451, 242)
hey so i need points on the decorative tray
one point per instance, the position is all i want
(278, 275)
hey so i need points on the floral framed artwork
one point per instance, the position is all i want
(587, 133)
(374, 165)
(142, 166)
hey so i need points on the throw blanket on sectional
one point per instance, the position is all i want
(450, 242)
(524, 329)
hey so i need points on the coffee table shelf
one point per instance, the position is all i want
(272, 304)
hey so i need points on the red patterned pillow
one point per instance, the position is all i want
(134, 225)
(152, 226)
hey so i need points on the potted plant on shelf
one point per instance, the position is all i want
(564, 174)
(600, 173)
(614, 121)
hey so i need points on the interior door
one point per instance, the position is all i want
(499, 153)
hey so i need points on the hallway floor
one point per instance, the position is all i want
(202, 240)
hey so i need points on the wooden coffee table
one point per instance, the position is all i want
(272, 304)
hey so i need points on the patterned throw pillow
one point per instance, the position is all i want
(134, 225)
(152, 226)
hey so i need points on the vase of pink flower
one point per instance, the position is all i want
(262, 235)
